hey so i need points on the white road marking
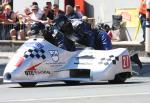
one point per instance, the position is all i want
(77, 97)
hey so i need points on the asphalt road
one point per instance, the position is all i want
(135, 90)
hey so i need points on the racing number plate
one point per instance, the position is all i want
(125, 61)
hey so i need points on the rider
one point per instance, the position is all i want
(63, 30)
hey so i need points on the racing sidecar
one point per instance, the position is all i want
(37, 60)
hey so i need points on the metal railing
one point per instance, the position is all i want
(5, 31)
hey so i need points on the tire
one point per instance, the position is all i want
(119, 79)
(72, 82)
(28, 84)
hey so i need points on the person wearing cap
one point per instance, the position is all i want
(77, 10)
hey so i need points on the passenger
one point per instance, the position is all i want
(95, 38)
(70, 13)
(105, 27)
(102, 40)
(83, 32)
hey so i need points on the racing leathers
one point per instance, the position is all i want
(102, 41)
(62, 30)
(97, 39)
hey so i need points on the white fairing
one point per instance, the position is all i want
(37, 60)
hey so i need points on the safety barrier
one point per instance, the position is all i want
(5, 31)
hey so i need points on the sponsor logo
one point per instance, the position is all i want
(32, 71)
(126, 62)
(36, 45)
(54, 55)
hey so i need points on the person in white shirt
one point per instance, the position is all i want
(36, 14)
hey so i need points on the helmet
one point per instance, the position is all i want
(36, 27)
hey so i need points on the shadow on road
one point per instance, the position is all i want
(47, 85)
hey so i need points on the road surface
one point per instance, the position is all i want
(135, 90)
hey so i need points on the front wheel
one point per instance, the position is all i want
(28, 84)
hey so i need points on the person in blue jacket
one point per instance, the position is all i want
(91, 37)
(102, 41)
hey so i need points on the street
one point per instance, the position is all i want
(135, 90)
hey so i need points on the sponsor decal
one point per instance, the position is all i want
(20, 61)
(54, 55)
(34, 67)
(32, 71)
(35, 53)
(36, 45)
(126, 62)
(126, 16)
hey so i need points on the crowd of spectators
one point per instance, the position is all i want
(22, 22)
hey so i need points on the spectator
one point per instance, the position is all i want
(6, 2)
(77, 10)
(142, 15)
(48, 16)
(35, 4)
(18, 28)
(48, 13)
(10, 16)
(36, 14)
(57, 11)
(27, 11)
(2, 16)
(70, 13)
(21, 26)
(49, 4)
